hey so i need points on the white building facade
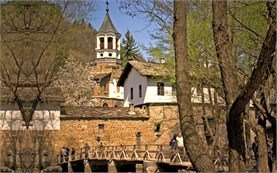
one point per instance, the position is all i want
(142, 87)
(143, 84)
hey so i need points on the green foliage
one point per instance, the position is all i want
(250, 16)
(200, 46)
(163, 51)
(248, 28)
(129, 48)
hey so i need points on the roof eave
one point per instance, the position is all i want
(124, 75)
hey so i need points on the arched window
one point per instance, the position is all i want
(110, 43)
(105, 105)
(101, 42)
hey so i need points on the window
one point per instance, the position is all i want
(102, 43)
(160, 87)
(157, 127)
(138, 138)
(132, 94)
(110, 43)
(105, 105)
(105, 89)
(101, 128)
(118, 89)
(140, 91)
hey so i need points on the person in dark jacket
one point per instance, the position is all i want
(72, 154)
(173, 142)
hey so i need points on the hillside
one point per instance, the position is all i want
(82, 39)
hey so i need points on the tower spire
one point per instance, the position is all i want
(107, 9)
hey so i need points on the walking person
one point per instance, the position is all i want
(86, 148)
(63, 154)
(72, 154)
(173, 144)
(180, 143)
(67, 153)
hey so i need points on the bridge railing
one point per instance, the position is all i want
(153, 152)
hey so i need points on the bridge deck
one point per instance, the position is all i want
(156, 153)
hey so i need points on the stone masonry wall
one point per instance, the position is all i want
(162, 124)
(75, 133)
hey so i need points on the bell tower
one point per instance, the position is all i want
(108, 42)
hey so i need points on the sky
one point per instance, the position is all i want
(138, 27)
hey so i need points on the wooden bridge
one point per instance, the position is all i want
(126, 158)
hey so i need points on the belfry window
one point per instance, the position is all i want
(101, 42)
(110, 43)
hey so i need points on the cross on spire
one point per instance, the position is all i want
(107, 5)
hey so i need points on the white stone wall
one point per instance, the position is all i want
(152, 92)
(197, 98)
(113, 90)
(11, 119)
(133, 81)
(106, 54)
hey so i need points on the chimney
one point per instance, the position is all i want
(131, 108)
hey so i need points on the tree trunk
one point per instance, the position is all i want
(223, 51)
(207, 128)
(196, 149)
(258, 76)
(227, 66)
(262, 145)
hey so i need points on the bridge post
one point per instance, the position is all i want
(87, 167)
(69, 167)
(139, 168)
(150, 166)
(112, 167)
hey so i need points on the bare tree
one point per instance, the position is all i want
(28, 147)
(34, 46)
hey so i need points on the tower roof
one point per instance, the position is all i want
(107, 25)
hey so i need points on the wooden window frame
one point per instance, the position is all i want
(110, 43)
(140, 91)
(102, 43)
(101, 128)
(160, 89)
